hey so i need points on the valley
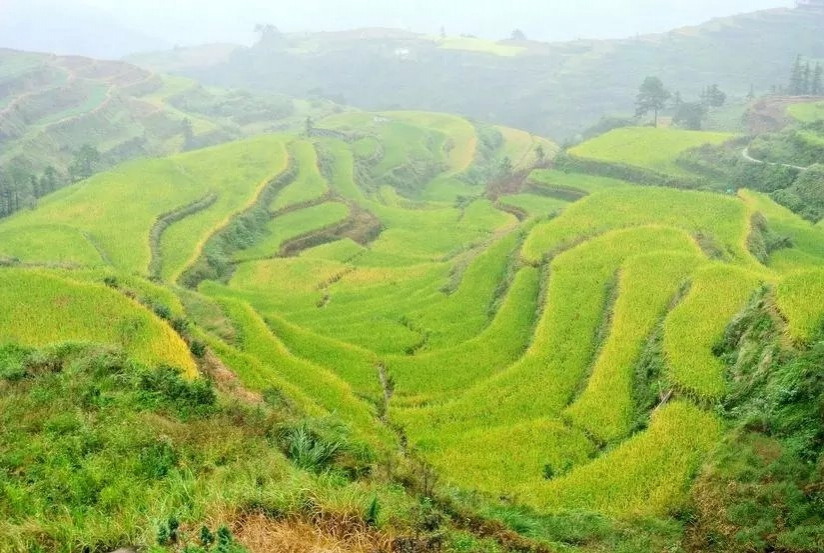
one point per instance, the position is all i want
(236, 321)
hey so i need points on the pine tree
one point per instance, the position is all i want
(817, 87)
(5, 194)
(796, 78)
(806, 80)
(751, 94)
(714, 97)
(49, 180)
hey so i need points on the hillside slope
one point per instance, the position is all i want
(535, 345)
(553, 89)
(51, 105)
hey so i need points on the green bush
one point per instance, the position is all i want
(165, 387)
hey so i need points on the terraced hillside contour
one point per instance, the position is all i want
(52, 105)
(551, 343)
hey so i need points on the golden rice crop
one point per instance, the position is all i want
(38, 308)
(717, 293)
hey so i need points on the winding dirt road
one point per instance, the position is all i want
(746, 155)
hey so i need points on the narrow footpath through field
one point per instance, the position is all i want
(746, 155)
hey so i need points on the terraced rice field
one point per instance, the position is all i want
(40, 308)
(116, 211)
(479, 45)
(505, 349)
(809, 112)
(647, 147)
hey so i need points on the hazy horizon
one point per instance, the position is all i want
(232, 21)
(163, 23)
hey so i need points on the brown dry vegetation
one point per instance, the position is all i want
(332, 535)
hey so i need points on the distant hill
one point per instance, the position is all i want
(51, 105)
(63, 118)
(69, 28)
(554, 89)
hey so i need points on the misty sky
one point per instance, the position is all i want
(196, 21)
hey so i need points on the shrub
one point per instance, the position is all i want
(308, 450)
(166, 387)
(319, 446)
(198, 349)
(162, 311)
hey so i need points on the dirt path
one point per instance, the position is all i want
(746, 155)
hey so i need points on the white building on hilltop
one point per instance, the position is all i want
(815, 5)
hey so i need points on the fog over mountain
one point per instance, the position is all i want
(72, 27)
(115, 27)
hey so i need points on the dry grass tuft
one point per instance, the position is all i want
(260, 534)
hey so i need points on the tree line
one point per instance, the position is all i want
(21, 187)
(654, 97)
(806, 79)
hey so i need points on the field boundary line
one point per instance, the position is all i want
(224, 224)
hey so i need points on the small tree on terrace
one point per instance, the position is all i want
(651, 98)
(518, 35)
(540, 154)
(85, 163)
(188, 134)
(270, 36)
(50, 180)
(506, 168)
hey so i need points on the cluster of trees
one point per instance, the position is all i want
(270, 36)
(806, 80)
(20, 187)
(654, 97)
